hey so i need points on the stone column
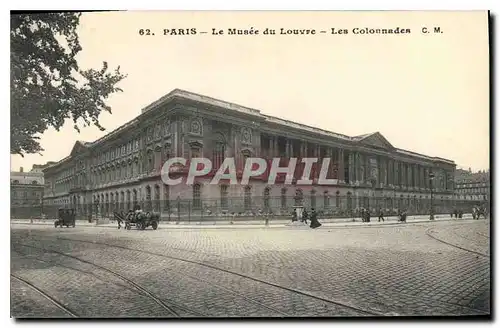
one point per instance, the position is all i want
(397, 173)
(422, 173)
(340, 167)
(414, 176)
(352, 173)
(357, 167)
(417, 175)
(404, 177)
(272, 149)
(329, 154)
(236, 148)
(318, 164)
(408, 175)
(386, 171)
(275, 146)
(388, 168)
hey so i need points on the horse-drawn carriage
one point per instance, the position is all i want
(65, 217)
(141, 220)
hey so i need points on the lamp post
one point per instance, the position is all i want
(431, 179)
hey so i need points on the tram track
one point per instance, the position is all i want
(87, 273)
(428, 233)
(483, 235)
(160, 302)
(46, 296)
(454, 231)
(173, 271)
(241, 275)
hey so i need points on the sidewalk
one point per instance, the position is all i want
(260, 224)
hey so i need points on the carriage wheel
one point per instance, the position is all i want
(154, 224)
(138, 225)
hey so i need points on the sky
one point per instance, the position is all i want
(427, 93)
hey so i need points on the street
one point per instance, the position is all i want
(425, 268)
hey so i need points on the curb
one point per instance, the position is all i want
(328, 225)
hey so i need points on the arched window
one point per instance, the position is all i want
(156, 205)
(349, 202)
(219, 151)
(196, 196)
(150, 161)
(283, 198)
(134, 198)
(166, 198)
(122, 201)
(117, 201)
(267, 196)
(165, 154)
(149, 204)
(313, 198)
(248, 198)
(326, 199)
(127, 200)
(299, 197)
(223, 197)
(106, 202)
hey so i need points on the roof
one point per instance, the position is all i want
(375, 139)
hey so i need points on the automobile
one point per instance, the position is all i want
(65, 217)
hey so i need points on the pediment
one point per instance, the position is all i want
(196, 144)
(247, 152)
(78, 148)
(376, 140)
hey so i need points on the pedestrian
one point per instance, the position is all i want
(314, 220)
(403, 216)
(305, 216)
(381, 215)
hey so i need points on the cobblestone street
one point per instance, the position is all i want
(432, 268)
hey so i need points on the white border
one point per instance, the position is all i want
(194, 5)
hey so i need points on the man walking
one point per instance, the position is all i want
(381, 215)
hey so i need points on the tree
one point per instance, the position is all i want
(47, 86)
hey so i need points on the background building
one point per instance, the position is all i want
(123, 168)
(474, 186)
(26, 191)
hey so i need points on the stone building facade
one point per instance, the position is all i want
(26, 188)
(472, 186)
(26, 191)
(123, 167)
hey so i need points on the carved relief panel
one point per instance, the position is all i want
(246, 136)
